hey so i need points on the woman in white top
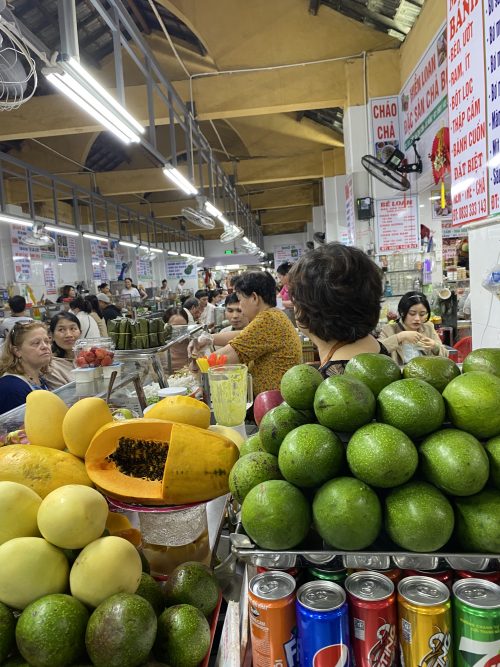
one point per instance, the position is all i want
(82, 310)
(133, 292)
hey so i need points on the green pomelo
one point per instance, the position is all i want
(478, 522)
(418, 517)
(310, 455)
(251, 470)
(374, 370)
(251, 444)
(150, 590)
(51, 631)
(183, 636)
(437, 371)
(382, 455)
(344, 403)
(455, 462)
(276, 515)
(121, 631)
(298, 386)
(492, 448)
(472, 401)
(486, 359)
(276, 424)
(347, 513)
(16, 661)
(195, 584)
(412, 406)
(7, 632)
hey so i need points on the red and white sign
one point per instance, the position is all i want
(384, 114)
(492, 53)
(467, 111)
(397, 224)
(349, 212)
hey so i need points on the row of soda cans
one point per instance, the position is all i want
(371, 621)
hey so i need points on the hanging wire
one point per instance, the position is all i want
(16, 63)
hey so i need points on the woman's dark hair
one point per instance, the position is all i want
(260, 282)
(213, 293)
(94, 304)
(336, 291)
(174, 310)
(56, 350)
(80, 303)
(231, 298)
(102, 286)
(201, 293)
(409, 300)
(65, 290)
(284, 268)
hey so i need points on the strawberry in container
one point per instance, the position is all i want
(94, 352)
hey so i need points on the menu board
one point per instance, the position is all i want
(66, 248)
(144, 269)
(492, 52)
(49, 279)
(177, 269)
(349, 212)
(384, 114)
(397, 224)
(287, 253)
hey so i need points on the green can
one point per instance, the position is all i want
(337, 576)
(476, 623)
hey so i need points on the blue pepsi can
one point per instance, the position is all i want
(322, 625)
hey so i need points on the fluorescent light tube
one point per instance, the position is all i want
(94, 237)
(172, 252)
(158, 250)
(127, 244)
(143, 247)
(224, 220)
(61, 230)
(246, 240)
(179, 180)
(15, 221)
(212, 210)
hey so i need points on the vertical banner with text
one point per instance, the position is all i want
(384, 115)
(492, 50)
(349, 212)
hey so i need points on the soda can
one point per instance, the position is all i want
(417, 562)
(367, 562)
(324, 559)
(487, 576)
(271, 600)
(394, 573)
(445, 576)
(276, 561)
(337, 576)
(474, 563)
(294, 572)
(476, 622)
(372, 606)
(424, 622)
(322, 625)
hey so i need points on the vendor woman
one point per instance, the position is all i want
(25, 357)
(412, 335)
(65, 331)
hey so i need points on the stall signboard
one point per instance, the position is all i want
(467, 111)
(287, 253)
(99, 271)
(22, 269)
(66, 248)
(49, 279)
(450, 231)
(22, 249)
(144, 269)
(178, 269)
(492, 58)
(350, 231)
(397, 224)
(384, 115)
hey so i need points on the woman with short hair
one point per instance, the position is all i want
(82, 309)
(96, 314)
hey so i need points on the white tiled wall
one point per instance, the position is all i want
(484, 253)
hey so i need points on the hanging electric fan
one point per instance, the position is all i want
(392, 169)
(149, 256)
(38, 237)
(231, 233)
(197, 216)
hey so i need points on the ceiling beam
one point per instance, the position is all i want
(279, 216)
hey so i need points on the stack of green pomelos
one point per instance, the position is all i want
(378, 457)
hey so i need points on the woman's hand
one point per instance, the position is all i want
(412, 337)
(427, 343)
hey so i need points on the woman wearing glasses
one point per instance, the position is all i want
(25, 356)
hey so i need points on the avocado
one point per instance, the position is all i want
(492, 448)
(121, 631)
(374, 370)
(276, 424)
(251, 470)
(381, 455)
(276, 515)
(455, 462)
(418, 517)
(413, 406)
(310, 455)
(195, 584)
(437, 371)
(251, 444)
(7, 632)
(150, 590)
(472, 403)
(183, 636)
(486, 359)
(478, 523)
(347, 513)
(51, 631)
(298, 386)
(344, 403)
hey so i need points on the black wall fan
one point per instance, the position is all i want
(393, 168)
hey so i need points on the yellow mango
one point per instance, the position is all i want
(43, 419)
(82, 421)
(182, 410)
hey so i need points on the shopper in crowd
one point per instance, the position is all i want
(65, 329)
(163, 290)
(109, 310)
(67, 292)
(282, 272)
(17, 305)
(96, 314)
(180, 286)
(104, 289)
(179, 351)
(142, 291)
(412, 335)
(193, 309)
(237, 321)
(269, 344)
(130, 290)
(336, 292)
(25, 357)
(82, 309)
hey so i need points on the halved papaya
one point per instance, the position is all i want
(155, 462)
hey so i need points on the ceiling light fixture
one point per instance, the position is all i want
(179, 180)
(70, 78)
(94, 237)
(15, 220)
(158, 250)
(172, 252)
(144, 247)
(213, 210)
(61, 230)
(127, 244)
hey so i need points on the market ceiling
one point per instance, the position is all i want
(277, 130)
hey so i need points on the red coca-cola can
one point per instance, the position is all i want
(373, 615)
(445, 576)
(487, 576)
